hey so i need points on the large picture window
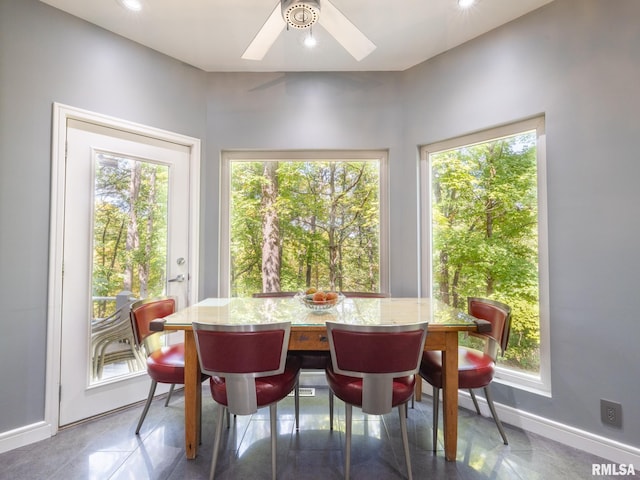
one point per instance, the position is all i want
(296, 220)
(485, 213)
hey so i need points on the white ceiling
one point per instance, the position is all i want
(212, 34)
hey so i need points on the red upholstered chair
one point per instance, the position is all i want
(475, 368)
(310, 359)
(165, 363)
(249, 369)
(374, 367)
(352, 295)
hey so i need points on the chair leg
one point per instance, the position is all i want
(495, 415)
(273, 414)
(152, 391)
(297, 403)
(436, 406)
(216, 443)
(166, 403)
(402, 410)
(475, 400)
(348, 409)
(330, 410)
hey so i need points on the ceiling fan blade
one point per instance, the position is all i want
(345, 32)
(266, 37)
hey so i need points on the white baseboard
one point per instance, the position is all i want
(26, 435)
(606, 448)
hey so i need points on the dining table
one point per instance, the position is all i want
(309, 333)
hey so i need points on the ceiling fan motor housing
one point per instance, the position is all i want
(300, 13)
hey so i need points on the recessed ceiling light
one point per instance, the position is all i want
(465, 3)
(133, 5)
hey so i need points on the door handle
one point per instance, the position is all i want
(178, 278)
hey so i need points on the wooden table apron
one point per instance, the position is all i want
(439, 337)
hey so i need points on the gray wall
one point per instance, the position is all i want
(577, 61)
(301, 111)
(47, 56)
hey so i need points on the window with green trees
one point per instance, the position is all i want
(130, 230)
(311, 220)
(485, 220)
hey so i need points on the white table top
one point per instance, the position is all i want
(367, 311)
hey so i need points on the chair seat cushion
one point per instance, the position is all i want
(349, 389)
(268, 389)
(166, 365)
(475, 368)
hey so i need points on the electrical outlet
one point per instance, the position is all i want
(611, 413)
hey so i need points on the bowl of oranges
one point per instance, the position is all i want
(320, 301)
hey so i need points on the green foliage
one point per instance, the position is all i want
(485, 240)
(328, 215)
(130, 229)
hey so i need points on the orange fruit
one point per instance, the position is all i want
(332, 297)
(319, 297)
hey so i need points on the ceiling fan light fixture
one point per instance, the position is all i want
(300, 13)
(310, 40)
(133, 5)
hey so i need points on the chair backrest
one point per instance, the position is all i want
(240, 354)
(377, 354)
(496, 313)
(142, 312)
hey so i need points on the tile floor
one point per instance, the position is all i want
(107, 448)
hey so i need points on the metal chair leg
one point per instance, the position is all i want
(475, 400)
(216, 443)
(348, 409)
(166, 403)
(402, 411)
(495, 415)
(297, 403)
(152, 391)
(273, 414)
(436, 406)
(330, 410)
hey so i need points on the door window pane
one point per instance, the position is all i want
(129, 255)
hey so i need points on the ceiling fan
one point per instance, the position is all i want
(303, 14)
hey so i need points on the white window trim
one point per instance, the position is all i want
(540, 385)
(229, 156)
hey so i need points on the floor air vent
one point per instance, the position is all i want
(305, 392)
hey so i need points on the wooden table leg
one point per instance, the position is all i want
(450, 395)
(192, 395)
